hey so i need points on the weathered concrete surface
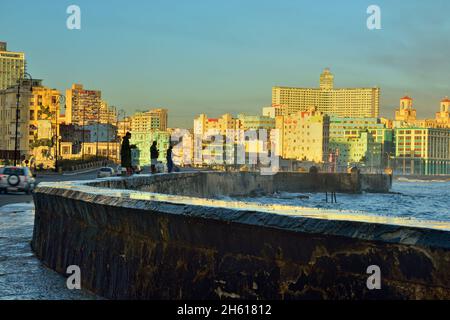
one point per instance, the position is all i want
(211, 184)
(130, 248)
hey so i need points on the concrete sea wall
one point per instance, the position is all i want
(132, 244)
(210, 184)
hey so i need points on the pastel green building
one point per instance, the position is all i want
(360, 140)
(143, 142)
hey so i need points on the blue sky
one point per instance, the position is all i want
(224, 56)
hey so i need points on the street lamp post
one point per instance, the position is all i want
(117, 138)
(61, 99)
(16, 140)
(107, 135)
(83, 132)
(98, 123)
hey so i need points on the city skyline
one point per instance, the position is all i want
(190, 58)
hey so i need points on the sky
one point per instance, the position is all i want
(213, 57)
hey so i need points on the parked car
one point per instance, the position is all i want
(119, 170)
(105, 172)
(122, 171)
(17, 179)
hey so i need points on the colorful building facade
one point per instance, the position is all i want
(304, 135)
(422, 151)
(344, 102)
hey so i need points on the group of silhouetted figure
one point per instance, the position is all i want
(126, 157)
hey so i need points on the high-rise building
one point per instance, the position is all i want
(107, 114)
(152, 120)
(304, 135)
(82, 106)
(344, 102)
(44, 111)
(12, 66)
(37, 116)
(422, 151)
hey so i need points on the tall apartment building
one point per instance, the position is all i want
(344, 102)
(82, 106)
(107, 114)
(37, 115)
(152, 120)
(304, 135)
(422, 150)
(12, 66)
(44, 111)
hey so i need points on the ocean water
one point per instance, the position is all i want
(409, 199)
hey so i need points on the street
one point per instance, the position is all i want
(22, 276)
(21, 197)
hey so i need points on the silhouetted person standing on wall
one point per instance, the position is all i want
(125, 153)
(169, 159)
(154, 154)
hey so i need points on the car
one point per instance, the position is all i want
(17, 179)
(105, 172)
(122, 171)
